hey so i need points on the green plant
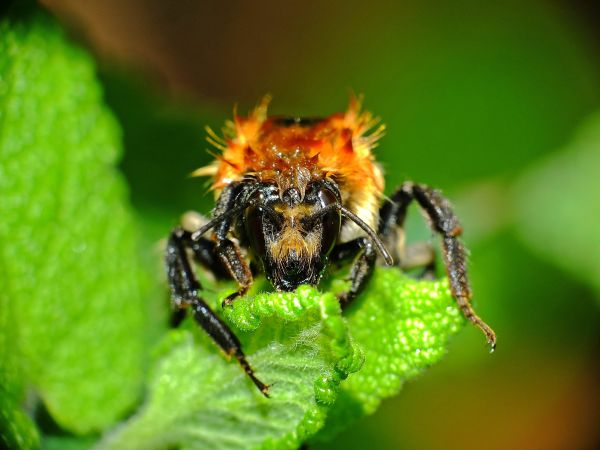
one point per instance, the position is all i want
(81, 334)
(74, 293)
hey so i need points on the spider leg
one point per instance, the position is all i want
(443, 221)
(391, 231)
(227, 251)
(185, 291)
(177, 316)
(224, 259)
(203, 251)
(206, 254)
(391, 223)
(231, 256)
(362, 268)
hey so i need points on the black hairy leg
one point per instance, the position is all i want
(231, 256)
(236, 196)
(204, 253)
(362, 249)
(185, 292)
(392, 215)
(443, 221)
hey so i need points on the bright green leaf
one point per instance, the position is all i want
(296, 341)
(69, 263)
(16, 428)
(403, 326)
(67, 443)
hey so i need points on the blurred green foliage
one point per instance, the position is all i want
(75, 294)
(557, 202)
(165, 143)
(299, 342)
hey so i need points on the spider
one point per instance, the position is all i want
(298, 194)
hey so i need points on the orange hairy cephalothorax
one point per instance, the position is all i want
(291, 152)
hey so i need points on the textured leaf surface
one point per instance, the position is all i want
(558, 205)
(403, 326)
(16, 429)
(296, 341)
(68, 260)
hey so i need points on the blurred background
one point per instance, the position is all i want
(493, 102)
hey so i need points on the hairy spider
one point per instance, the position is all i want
(299, 194)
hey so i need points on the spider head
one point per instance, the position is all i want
(292, 234)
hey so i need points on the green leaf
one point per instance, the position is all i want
(16, 429)
(67, 443)
(403, 326)
(299, 342)
(557, 205)
(69, 264)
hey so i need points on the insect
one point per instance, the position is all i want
(297, 194)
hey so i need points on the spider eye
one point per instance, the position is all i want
(253, 222)
(331, 220)
(261, 220)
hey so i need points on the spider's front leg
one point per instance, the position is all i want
(231, 256)
(203, 251)
(185, 291)
(362, 249)
(442, 220)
